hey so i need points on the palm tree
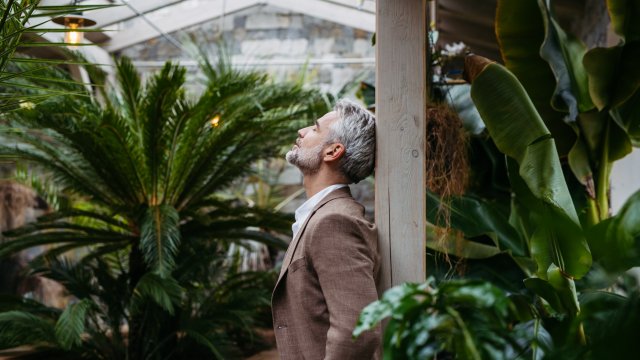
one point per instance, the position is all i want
(149, 164)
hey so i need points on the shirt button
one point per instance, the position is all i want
(282, 326)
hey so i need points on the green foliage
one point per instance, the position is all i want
(466, 318)
(20, 327)
(160, 237)
(616, 241)
(70, 325)
(558, 269)
(605, 77)
(20, 22)
(164, 292)
(147, 167)
(472, 319)
(520, 34)
(537, 179)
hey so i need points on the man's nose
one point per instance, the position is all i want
(301, 132)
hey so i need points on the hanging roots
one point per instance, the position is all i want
(446, 157)
(447, 165)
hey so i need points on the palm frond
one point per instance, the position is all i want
(210, 340)
(130, 87)
(165, 292)
(160, 238)
(14, 302)
(76, 278)
(22, 328)
(71, 324)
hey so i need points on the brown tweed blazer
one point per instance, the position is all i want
(328, 276)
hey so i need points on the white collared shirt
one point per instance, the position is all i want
(303, 212)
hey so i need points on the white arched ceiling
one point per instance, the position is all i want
(189, 13)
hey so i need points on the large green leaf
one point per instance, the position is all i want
(613, 72)
(465, 317)
(557, 290)
(624, 15)
(520, 32)
(628, 115)
(459, 97)
(612, 323)
(454, 243)
(476, 217)
(543, 289)
(552, 233)
(518, 131)
(616, 241)
(614, 75)
(544, 57)
(564, 53)
(160, 237)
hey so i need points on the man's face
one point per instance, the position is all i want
(307, 153)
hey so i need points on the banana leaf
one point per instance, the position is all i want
(616, 241)
(614, 75)
(459, 97)
(628, 114)
(453, 243)
(520, 133)
(476, 217)
(564, 53)
(520, 33)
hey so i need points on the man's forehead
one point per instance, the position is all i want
(328, 118)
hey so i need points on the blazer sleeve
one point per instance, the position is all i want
(343, 255)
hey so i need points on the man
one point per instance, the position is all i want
(328, 274)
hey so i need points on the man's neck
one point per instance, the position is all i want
(313, 184)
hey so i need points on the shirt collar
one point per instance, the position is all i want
(302, 212)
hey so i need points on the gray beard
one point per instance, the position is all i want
(307, 160)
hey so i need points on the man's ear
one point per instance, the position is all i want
(333, 152)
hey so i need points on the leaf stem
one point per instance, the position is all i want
(593, 215)
(602, 194)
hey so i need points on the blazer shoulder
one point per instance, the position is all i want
(341, 210)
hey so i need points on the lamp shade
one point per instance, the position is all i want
(78, 19)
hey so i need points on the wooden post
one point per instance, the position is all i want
(401, 100)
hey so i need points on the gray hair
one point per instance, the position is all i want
(356, 130)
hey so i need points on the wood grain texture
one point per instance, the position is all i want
(401, 99)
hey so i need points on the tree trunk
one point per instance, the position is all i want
(137, 268)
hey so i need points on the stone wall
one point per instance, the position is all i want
(265, 34)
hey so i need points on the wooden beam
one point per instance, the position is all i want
(401, 101)
(182, 16)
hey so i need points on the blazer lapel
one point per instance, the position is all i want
(338, 193)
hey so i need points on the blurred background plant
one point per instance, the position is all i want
(149, 227)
